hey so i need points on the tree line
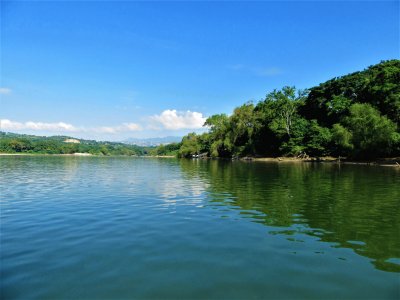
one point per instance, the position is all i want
(21, 143)
(355, 116)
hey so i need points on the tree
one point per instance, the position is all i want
(341, 140)
(373, 135)
(317, 139)
(244, 124)
(281, 125)
(17, 145)
(378, 85)
(355, 115)
(285, 105)
(190, 145)
(219, 138)
(295, 144)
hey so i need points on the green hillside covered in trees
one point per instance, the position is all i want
(356, 116)
(22, 143)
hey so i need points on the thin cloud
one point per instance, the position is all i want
(5, 91)
(6, 124)
(169, 119)
(132, 127)
(175, 120)
(126, 127)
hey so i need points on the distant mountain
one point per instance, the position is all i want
(153, 141)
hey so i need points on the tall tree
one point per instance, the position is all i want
(244, 125)
(373, 135)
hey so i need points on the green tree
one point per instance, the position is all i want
(244, 125)
(220, 135)
(378, 85)
(373, 135)
(353, 115)
(281, 125)
(317, 139)
(341, 140)
(17, 145)
(190, 145)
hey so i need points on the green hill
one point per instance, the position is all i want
(22, 143)
(356, 115)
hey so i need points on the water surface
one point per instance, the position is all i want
(103, 227)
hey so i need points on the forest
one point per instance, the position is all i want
(22, 143)
(355, 116)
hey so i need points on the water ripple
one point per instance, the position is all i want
(145, 228)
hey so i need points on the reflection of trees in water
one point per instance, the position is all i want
(357, 207)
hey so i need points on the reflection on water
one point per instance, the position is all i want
(356, 207)
(104, 227)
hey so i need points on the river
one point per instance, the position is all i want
(147, 228)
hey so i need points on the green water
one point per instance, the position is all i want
(118, 228)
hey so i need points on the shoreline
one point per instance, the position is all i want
(47, 154)
(85, 155)
(384, 162)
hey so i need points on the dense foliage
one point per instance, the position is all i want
(165, 150)
(357, 115)
(20, 143)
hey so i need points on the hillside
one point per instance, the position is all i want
(22, 143)
(356, 115)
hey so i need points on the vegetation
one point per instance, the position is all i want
(165, 150)
(21, 143)
(357, 115)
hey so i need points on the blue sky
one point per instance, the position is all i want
(110, 70)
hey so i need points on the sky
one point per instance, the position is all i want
(111, 70)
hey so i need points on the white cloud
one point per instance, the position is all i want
(132, 127)
(115, 129)
(174, 120)
(5, 91)
(6, 124)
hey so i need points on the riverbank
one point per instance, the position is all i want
(47, 154)
(387, 162)
(85, 155)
